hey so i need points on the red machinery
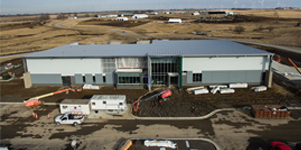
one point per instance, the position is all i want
(33, 102)
(163, 95)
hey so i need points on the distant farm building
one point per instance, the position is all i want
(111, 16)
(72, 17)
(125, 14)
(122, 19)
(153, 13)
(173, 20)
(139, 16)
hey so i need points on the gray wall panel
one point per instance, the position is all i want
(206, 76)
(189, 77)
(89, 78)
(251, 76)
(98, 78)
(109, 78)
(78, 79)
(237, 76)
(220, 76)
(46, 79)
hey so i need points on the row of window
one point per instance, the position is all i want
(94, 79)
(133, 80)
(196, 77)
(105, 102)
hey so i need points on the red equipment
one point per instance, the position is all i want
(279, 146)
(33, 102)
(163, 95)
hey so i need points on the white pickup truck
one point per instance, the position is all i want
(69, 119)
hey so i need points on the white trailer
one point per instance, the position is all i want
(108, 103)
(76, 106)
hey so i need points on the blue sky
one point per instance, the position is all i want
(56, 6)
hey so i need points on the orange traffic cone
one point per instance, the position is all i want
(33, 114)
(85, 115)
(48, 116)
(37, 116)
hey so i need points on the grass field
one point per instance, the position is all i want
(31, 36)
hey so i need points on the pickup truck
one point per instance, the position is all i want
(69, 119)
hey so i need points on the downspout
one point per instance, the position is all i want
(149, 72)
(180, 72)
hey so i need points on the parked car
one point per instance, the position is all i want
(69, 119)
(279, 146)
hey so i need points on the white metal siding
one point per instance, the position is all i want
(197, 65)
(110, 104)
(84, 108)
(65, 67)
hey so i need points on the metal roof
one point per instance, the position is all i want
(76, 101)
(157, 48)
(108, 97)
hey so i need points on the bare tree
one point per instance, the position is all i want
(239, 29)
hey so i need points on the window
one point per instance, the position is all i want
(65, 107)
(84, 79)
(94, 79)
(93, 103)
(197, 77)
(104, 79)
(104, 102)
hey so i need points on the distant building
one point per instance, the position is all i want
(111, 16)
(122, 19)
(72, 17)
(153, 13)
(195, 14)
(139, 16)
(174, 20)
(167, 12)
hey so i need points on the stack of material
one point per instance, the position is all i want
(216, 88)
(90, 87)
(220, 86)
(260, 88)
(238, 85)
(191, 90)
(226, 91)
(201, 91)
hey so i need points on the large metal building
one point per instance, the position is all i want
(161, 63)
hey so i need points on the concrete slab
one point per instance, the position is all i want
(288, 72)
